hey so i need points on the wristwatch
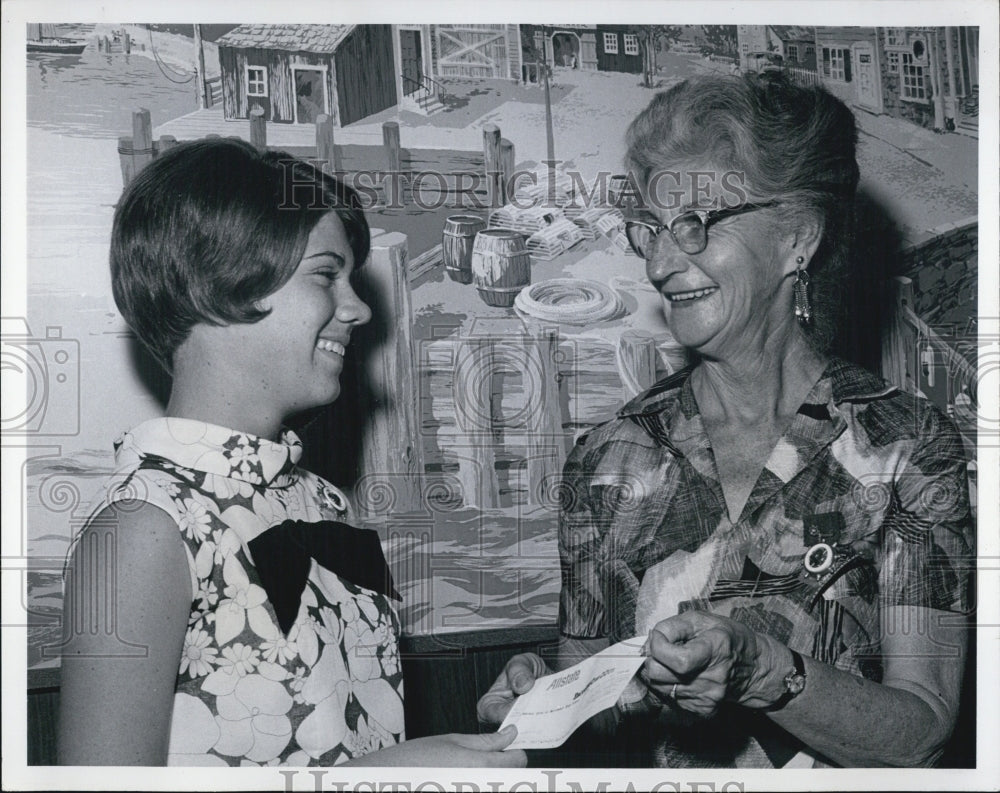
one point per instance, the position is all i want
(795, 682)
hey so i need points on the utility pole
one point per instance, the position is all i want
(199, 77)
(550, 145)
(934, 60)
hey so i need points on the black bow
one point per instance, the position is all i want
(282, 557)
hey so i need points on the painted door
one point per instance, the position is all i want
(310, 96)
(473, 51)
(410, 55)
(867, 77)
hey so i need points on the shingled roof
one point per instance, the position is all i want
(793, 32)
(293, 38)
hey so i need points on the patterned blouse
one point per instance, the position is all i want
(248, 692)
(862, 505)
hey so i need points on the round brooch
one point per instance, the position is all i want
(819, 558)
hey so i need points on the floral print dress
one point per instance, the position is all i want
(247, 692)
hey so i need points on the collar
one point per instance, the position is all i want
(841, 381)
(214, 450)
(668, 412)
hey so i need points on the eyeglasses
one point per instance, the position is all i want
(689, 230)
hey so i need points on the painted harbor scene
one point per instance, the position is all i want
(509, 313)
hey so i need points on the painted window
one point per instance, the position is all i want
(895, 37)
(256, 81)
(810, 50)
(837, 64)
(611, 43)
(913, 78)
(744, 48)
(893, 61)
(631, 44)
(793, 52)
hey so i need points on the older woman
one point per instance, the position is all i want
(792, 532)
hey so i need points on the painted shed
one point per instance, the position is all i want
(604, 48)
(297, 72)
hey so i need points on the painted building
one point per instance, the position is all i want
(926, 75)
(794, 44)
(351, 72)
(604, 48)
(297, 72)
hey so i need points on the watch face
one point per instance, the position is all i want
(795, 683)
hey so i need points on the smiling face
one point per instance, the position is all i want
(298, 349)
(732, 293)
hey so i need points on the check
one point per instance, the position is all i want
(558, 703)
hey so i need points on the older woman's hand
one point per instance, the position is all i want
(699, 660)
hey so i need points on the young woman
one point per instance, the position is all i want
(251, 623)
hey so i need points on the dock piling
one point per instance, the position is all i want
(258, 128)
(142, 139)
(165, 143)
(506, 170)
(393, 154)
(125, 159)
(326, 149)
(392, 456)
(491, 154)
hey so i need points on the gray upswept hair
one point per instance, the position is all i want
(791, 143)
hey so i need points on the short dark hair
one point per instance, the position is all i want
(211, 227)
(794, 143)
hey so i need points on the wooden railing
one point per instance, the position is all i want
(803, 77)
(493, 163)
(426, 87)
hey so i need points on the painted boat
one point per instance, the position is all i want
(63, 46)
(43, 38)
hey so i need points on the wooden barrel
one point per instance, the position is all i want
(501, 266)
(456, 245)
(621, 192)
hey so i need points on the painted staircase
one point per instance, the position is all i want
(427, 104)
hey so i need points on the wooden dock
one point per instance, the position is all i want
(211, 121)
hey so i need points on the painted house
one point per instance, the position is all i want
(926, 75)
(351, 72)
(603, 48)
(795, 44)
(297, 72)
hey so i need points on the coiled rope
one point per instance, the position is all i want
(573, 301)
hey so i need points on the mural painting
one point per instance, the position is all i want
(510, 314)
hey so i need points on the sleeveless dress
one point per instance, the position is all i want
(327, 689)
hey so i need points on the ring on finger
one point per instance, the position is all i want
(673, 692)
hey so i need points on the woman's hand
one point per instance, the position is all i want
(517, 677)
(699, 660)
(453, 750)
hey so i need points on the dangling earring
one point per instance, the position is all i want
(803, 311)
